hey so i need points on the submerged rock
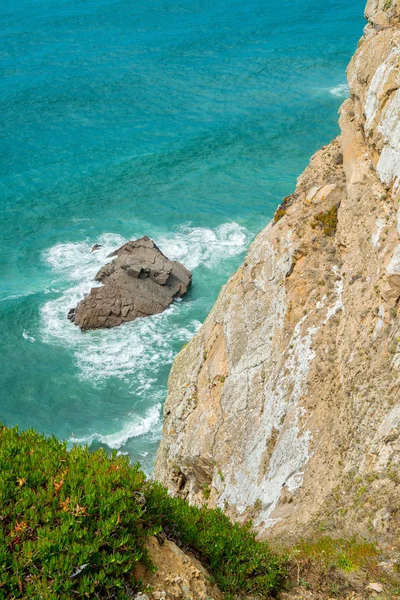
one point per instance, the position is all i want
(139, 282)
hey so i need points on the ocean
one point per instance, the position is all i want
(187, 121)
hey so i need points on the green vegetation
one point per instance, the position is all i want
(279, 213)
(339, 567)
(349, 555)
(282, 208)
(327, 220)
(206, 491)
(74, 525)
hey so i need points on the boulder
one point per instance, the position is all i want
(139, 282)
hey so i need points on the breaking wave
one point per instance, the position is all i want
(135, 427)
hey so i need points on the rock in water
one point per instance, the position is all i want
(139, 282)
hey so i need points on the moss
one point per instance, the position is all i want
(327, 220)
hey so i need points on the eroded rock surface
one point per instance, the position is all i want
(285, 407)
(179, 575)
(139, 282)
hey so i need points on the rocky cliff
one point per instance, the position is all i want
(285, 407)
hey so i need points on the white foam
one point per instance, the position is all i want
(16, 296)
(139, 349)
(135, 427)
(28, 337)
(201, 246)
(340, 91)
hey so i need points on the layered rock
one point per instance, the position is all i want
(285, 407)
(139, 282)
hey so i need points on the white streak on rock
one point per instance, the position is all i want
(378, 82)
(379, 324)
(291, 453)
(388, 167)
(380, 224)
(339, 302)
(393, 267)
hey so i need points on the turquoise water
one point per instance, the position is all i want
(183, 120)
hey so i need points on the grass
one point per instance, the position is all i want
(74, 525)
(347, 554)
(334, 566)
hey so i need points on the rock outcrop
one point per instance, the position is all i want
(285, 407)
(179, 575)
(139, 282)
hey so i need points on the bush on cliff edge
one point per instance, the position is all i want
(74, 524)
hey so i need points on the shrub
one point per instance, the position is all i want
(282, 208)
(71, 522)
(328, 220)
(74, 524)
(279, 213)
(238, 562)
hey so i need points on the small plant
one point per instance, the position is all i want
(328, 220)
(206, 491)
(344, 563)
(282, 208)
(258, 504)
(279, 213)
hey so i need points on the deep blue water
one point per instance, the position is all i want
(184, 120)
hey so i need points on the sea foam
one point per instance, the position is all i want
(135, 427)
(340, 91)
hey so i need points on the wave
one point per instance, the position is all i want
(16, 296)
(340, 91)
(136, 427)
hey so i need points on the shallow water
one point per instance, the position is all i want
(184, 121)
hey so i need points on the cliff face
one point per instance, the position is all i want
(285, 407)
